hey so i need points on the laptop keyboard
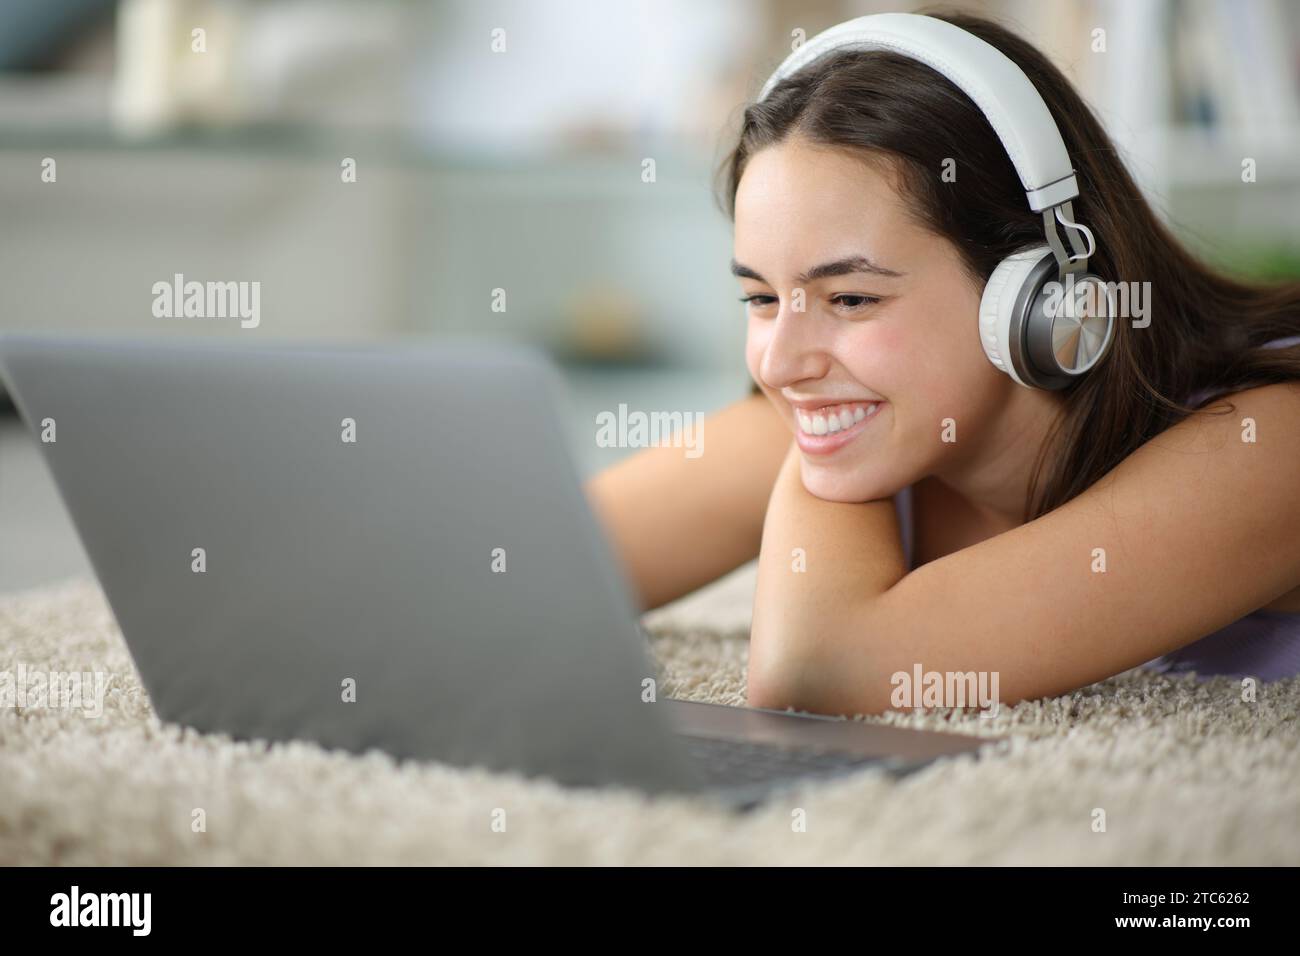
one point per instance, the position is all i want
(730, 762)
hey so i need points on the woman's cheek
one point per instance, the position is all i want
(877, 356)
(755, 346)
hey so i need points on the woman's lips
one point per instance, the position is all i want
(825, 430)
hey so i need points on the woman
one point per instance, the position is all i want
(956, 521)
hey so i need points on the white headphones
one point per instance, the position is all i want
(1029, 325)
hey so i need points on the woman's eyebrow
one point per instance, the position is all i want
(850, 265)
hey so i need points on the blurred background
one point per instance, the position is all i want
(502, 144)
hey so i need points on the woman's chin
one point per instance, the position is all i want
(849, 489)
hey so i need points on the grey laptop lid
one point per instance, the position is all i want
(374, 561)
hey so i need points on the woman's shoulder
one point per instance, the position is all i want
(1281, 399)
(1267, 420)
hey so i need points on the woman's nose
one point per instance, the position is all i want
(794, 352)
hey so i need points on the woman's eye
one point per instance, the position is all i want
(847, 302)
(852, 302)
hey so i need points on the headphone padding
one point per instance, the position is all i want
(997, 302)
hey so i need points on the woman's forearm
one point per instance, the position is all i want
(678, 523)
(820, 564)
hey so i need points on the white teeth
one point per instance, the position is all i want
(826, 421)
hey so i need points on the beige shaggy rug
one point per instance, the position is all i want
(1185, 773)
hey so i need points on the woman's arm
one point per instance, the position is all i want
(678, 523)
(815, 554)
(1191, 532)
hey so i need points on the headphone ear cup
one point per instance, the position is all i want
(997, 308)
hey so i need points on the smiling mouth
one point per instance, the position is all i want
(834, 418)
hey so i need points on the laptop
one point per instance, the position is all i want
(388, 547)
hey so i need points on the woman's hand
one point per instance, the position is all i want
(819, 560)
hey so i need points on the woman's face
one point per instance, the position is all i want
(887, 316)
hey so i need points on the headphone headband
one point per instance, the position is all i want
(998, 87)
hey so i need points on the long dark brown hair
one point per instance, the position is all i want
(1206, 328)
